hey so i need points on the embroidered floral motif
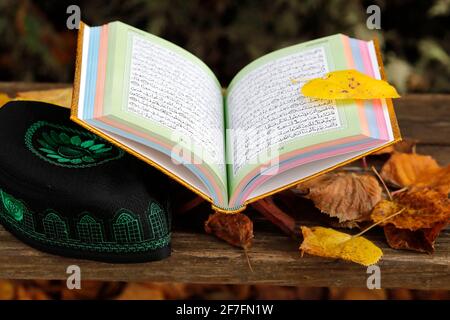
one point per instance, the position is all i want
(12, 206)
(69, 147)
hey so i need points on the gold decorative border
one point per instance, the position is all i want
(74, 117)
(77, 76)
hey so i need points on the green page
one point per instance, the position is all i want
(122, 67)
(266, 91)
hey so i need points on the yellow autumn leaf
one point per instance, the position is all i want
(4, 98)
(329, 243)
(348, 84)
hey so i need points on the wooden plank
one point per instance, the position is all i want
(200, 258)
(425, 117)
(275, 259)
(440, 152)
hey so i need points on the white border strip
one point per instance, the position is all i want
(373, 58)
(84, 58)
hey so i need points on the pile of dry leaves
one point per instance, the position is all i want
(408, 199)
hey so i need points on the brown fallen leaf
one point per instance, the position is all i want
(425, 213)
(329, 243)
(422, 209)
(236, 229)
(61, 97)
(403, 146)
(345, 195)
(438, 179)
(421, 240)
(404, 170)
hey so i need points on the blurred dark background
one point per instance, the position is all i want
(35, 44)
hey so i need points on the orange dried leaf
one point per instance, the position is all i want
(61, 97)
(425, 213)
(329, 243)
(422, 209)
(405, 169)
(348, 84)
(347, 196)
(236, 229)
(438, 179)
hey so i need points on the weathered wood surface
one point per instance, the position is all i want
(200, 258)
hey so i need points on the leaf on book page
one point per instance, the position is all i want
(403, 146)
(425, 213)
(4, 98)
(236, 229)
(61, 97)
(329, 243)
(348, 84)
(416, 171)
(344, 195)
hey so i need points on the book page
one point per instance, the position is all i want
(157, 96)
(174, 92)
(266, 110)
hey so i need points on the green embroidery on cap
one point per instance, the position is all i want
(12, 206)
(126, 230)
(89, 230)
(54, 226)
(158, 221)
(69, 147)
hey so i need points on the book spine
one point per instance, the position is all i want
(231, 210)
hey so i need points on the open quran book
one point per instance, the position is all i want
(259, 136)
